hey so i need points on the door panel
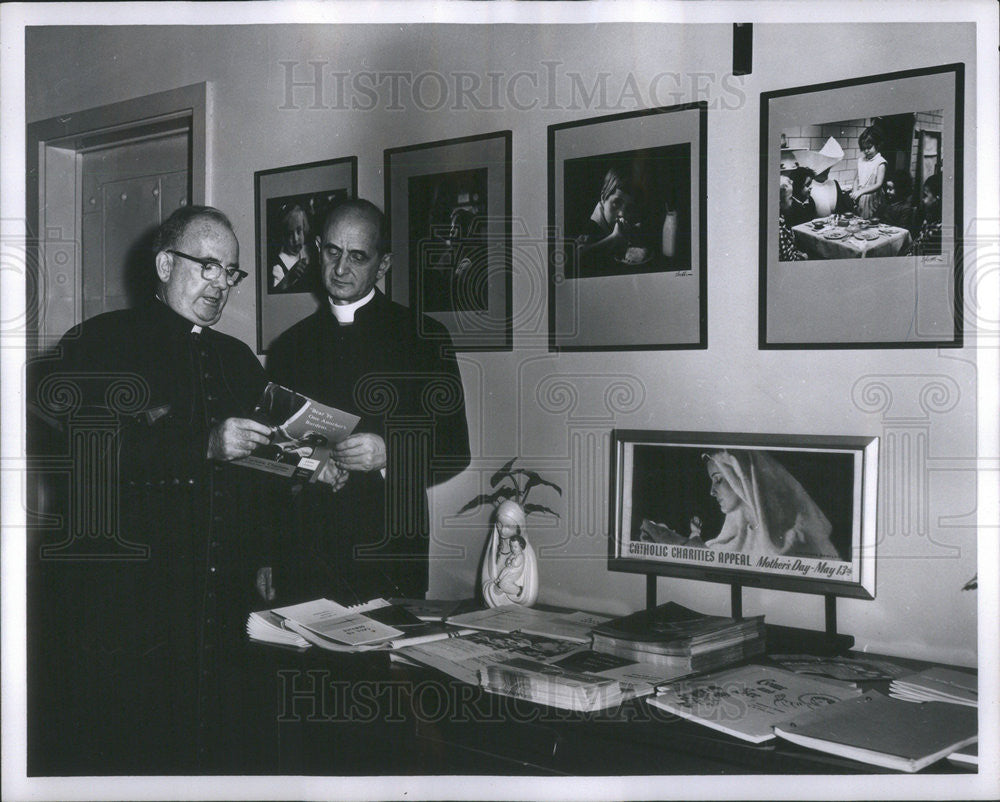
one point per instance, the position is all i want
(128, 190)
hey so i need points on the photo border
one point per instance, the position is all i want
(284, 310)
(491, 330)
(769, 171)
(618, 316)
(865, 487)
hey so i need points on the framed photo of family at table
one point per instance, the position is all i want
(861, 206)
(448, 205)
(627, 220)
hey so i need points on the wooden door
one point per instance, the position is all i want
(128, 190)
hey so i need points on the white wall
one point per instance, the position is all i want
(921, 397)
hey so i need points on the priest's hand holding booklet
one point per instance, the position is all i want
(303, 434)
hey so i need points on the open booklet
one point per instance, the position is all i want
(305, 432)
(376, 624)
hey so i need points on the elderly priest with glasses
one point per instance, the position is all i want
(140, 593)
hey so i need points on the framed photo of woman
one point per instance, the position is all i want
(779, 511)
(627, 231)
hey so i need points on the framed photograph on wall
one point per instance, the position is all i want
(449, 210)
(290, 206)
(788, 512)
(627, 231)
(861, 212)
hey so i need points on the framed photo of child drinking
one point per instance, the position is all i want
(291, 205)
(861, 207)
(627, 233)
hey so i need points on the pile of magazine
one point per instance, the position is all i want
(938, 684)
(376, 624)
(540, 656)
(551, 685)
(673, 635)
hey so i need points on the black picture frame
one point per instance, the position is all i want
(279, 194)
(894, 300)
(448, 209)
(667, 519)
(654, 161)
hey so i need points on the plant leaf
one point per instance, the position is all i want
(479, 500)
(534, 479)
(502, 493)
(530, 508)
(502, 473)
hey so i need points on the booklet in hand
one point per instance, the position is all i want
(305, 432)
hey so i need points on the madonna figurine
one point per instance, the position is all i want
(510, 570)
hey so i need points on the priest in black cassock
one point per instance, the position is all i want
(397, 370)
(141, 584)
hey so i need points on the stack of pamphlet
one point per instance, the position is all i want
(551, 685)
(373, 625)
(540, 662)
(673, 635)
(885, 732)
(749, 701)
(575, 626)
(268, 627)
(938, 684)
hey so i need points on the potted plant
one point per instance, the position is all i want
(513, 484)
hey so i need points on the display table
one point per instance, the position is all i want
(362, 715)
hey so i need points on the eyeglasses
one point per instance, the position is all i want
(211, 269)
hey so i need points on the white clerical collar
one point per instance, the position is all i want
(195, 329)
(345, 312)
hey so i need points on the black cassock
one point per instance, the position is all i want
(141, 570)
(397, 371)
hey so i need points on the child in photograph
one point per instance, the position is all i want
(787, 252)
(801, 207)
(606, 234)
(867, 192)
(928, 241)
(896, 208)
(620, 233)
(294, 257)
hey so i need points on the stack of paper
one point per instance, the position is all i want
(675, 636)
(573, 626)
(467, 656)
(268, 627)
(750, 700)
(551, 685)
(373, 625)
(885, 732)
(938, 684)
(322, 621)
